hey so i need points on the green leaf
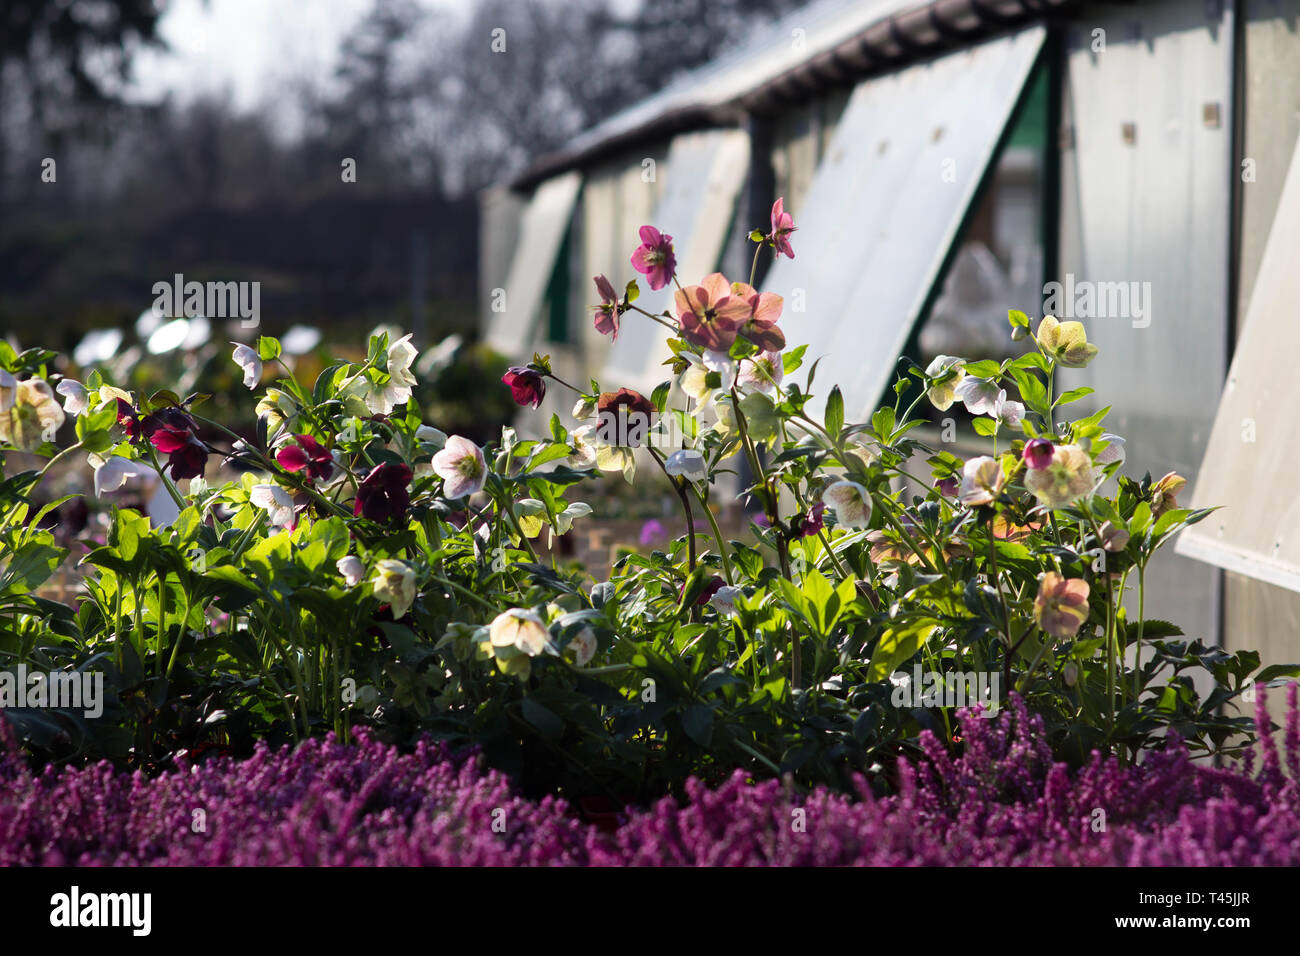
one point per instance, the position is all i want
(1017, 319)
(548, 724)
(984, 368)
(792, 359)
(1073, 395)
(659, 397)
(897, 646)
(985, 426)
(834, 412)
(697, 721)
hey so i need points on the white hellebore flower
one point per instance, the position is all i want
(428, 435)
(724, 599)
(74, 396)
(687, 463)
(942, 396)
(1008, 414)
(1113, 452)
(277, 502)
(394, 582)
(113, 472)
(352, 570)
(851, 503)
(248, 359)
(585, 445)
(979, 395)
(762, 373)
(32, 416)
(693, 380)
(583, 646)
(981, 481)
(401, 354)
(8, 388)
(462, 469)
(521, 629)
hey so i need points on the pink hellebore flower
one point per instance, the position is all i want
(461, 466)
(782, 226)
(762, 373)
(527, 386)
(1164, 493)
(981, 481)
(654, 257)
(711, 316)
(1061, 606)
(308, 453)
(608, 312)
(1067, 478)
(1038, 453)
(765, 310)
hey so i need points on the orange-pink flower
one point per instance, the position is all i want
(711, 315)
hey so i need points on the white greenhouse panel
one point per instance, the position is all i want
(542, 229)
(1151, 166)
(1252, 462)
(701, 179)
(886, 204)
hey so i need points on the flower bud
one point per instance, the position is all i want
(1038, 453)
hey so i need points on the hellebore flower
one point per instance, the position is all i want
(583, 647)
(851, 503)
(1066, 342)
(394, 582)
(382, 399)
(127, 419)
(1066, 479)
(686, 463)
(520, 629)
(74, 396)
(352, 570)
(462, 469)
(113, 472)
(1038, 453)
(1164, 493)
(626, 417)
(382, 494)
(1061, 606)
(715, 585)
(1114, 450)
(608, 313)
(814, 521)
(654, 257)
(274, 500)
(1113, 537)
(527, 385)
(724, 599)
(694, 381)
(1009, 414)
(710, 315)
(765, 309)
(308, 454)
(172, 432)
(248, 359)
(981, 481)
(782, 226)
(979, 395)
(947, 487)
(584, 448)
(428, 435)
(33, 415)
(8, 389)
(762, 373)
(943, 393)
